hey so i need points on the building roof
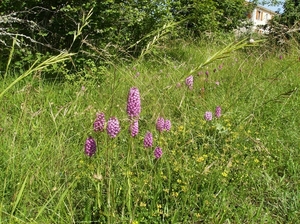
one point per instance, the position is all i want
(265, 9)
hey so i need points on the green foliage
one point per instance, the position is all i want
(284, 28)
(232, 13)
(211, 15)
(113, 22)
(291, 13)
(120, 24)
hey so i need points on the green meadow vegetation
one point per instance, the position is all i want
(239, 168)
(230, 153)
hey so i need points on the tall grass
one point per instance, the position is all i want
(239, 168)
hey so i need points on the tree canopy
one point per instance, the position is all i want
(118, 22)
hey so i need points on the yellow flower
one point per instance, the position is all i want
(198, 215)
(184, 188)
(200, 159)
(166, 190)
(225, 174)
(180, 128)
(142, 204)
(175, 194)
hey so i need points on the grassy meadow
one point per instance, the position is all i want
(242, 167)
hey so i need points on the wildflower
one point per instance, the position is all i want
(133, 103)
(207, 73)
(251, 41)
(99, 122)
(160, 124)
(134, 128)
(189, 81)
(113, 127)
(158, 153)
(148, 140)
(218, 112)
(90, 146)
(167, 125)
(217, 83)
(208, 116)
(225, 173)
(137, 75)
(280, 57)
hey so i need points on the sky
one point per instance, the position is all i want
(274, 8)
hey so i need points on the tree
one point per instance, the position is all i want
(211, 15)
(232, 13)
(291, 13)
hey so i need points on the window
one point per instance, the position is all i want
(259, 15)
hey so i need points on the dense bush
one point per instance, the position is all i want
(118, 23)
(115, 29)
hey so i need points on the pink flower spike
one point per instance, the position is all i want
(113, 127)
(90, 147)
(218, 112)
(167, 125)
(148, 140)
(99, 123)
(133, 103)
(189, 81)
(208, 116)
(158, 153)
(134, 128)
(160, 124)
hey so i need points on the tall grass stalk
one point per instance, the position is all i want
(36, 66)
(225, 52)
(10, 55)
(19, 196)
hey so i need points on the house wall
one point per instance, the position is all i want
(260, 16)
